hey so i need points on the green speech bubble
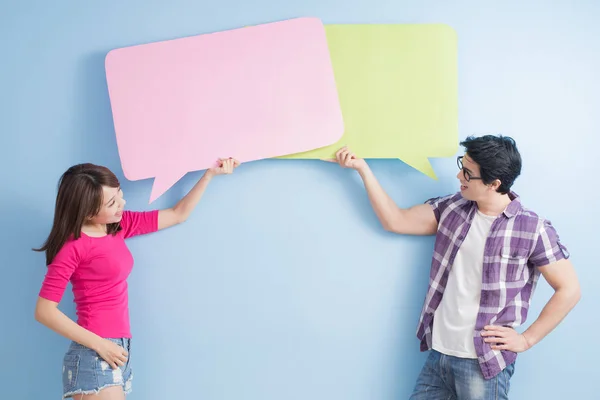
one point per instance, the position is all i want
(398, 89)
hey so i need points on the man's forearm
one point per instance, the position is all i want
(557, 308)
(386, 210)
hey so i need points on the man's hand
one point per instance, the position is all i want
(503, 338)
(347, 159)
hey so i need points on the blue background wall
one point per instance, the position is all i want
(282, 285)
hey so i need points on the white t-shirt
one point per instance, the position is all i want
(454, 320)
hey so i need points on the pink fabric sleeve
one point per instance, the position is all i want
(60, 270)
(139, 222)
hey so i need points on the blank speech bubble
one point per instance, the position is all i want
(251, 93)
(398, 89)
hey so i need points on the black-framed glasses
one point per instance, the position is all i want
(465, 171)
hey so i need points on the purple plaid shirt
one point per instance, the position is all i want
(519, 241)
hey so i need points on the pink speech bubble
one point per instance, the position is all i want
(251, 93)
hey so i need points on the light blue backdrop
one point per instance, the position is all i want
(282, 285)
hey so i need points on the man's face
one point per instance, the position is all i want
(471, 186)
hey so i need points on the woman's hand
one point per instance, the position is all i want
(112, 353)
(225, 167)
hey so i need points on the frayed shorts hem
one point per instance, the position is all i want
(94, 391)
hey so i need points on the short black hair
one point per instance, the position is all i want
(497, 157)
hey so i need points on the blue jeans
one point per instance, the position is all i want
(451, 378)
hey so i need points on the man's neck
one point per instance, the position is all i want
(494, 205)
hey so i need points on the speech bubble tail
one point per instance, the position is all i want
(162, 183)
(420, 163)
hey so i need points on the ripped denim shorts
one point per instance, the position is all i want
(85, 372)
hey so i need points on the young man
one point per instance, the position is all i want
(489, 253)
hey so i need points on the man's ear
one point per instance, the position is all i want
(495, 185)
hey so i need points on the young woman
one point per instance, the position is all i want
(86, 246)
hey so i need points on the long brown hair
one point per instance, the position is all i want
(79, 197)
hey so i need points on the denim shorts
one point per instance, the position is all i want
(85, 372)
